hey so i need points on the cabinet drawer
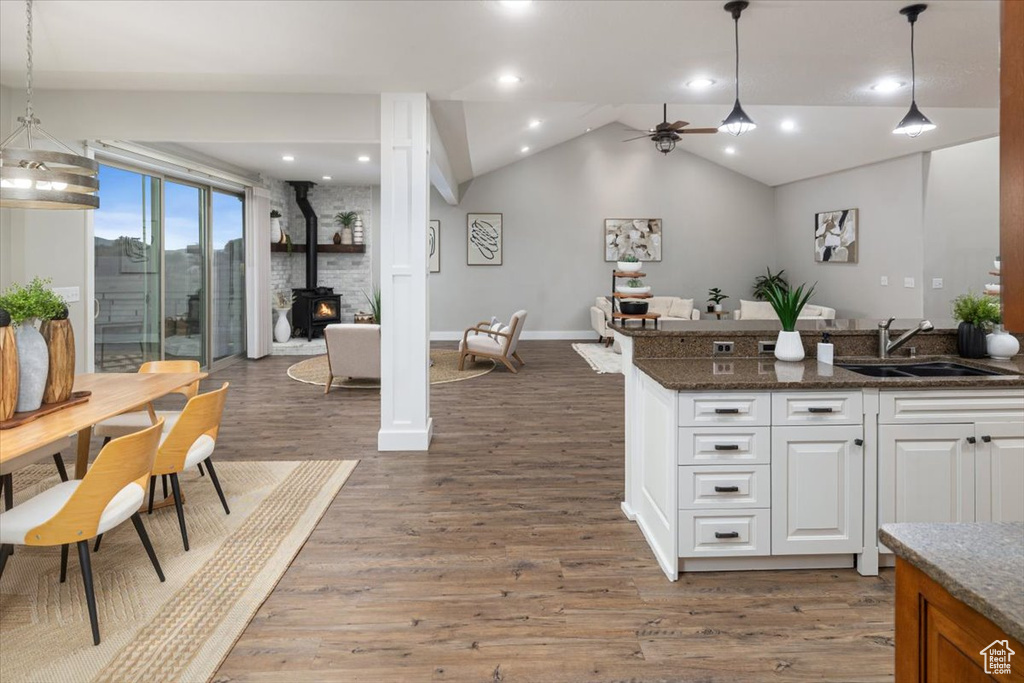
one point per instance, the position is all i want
(817, 407)
(724, 533)
(724, 486)
(697, 410)
(724, 446)
(945, 407)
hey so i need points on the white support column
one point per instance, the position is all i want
(405, 422)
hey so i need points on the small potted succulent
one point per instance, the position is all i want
(715, 299)
(629, 264)
(977, 315)
(276, 234)
(787, 304)
(345, 219)
(633, 286)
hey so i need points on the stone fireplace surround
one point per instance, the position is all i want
(349, 274)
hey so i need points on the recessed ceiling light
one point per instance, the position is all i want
(327, 177)
(364, 158)
(287, 157)
(535, 123)
(524, 150)
(509, 79)
(888, 85)
(700, 83)
(588, 130)
(788, 125)
(730, 150)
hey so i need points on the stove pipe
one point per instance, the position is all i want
(302, 187)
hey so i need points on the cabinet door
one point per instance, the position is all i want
(817, 490)
(1000, 472)
(925, 473)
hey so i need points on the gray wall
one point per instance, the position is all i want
(961, 228)
(717, 231)
(889, 196)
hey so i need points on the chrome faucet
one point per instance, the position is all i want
(886, 347)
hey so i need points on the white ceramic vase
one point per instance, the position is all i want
(718, 308)
(357, 231)
(789, 347)
(1002, 345)
(346, 235)
(628, 266)
(276, 236)
(33, 366)
(626, 289)
(282, 329)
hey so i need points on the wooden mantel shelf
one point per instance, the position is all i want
(322, 248)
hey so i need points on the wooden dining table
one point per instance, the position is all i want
(112, 394)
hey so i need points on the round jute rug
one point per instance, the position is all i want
(444, 370)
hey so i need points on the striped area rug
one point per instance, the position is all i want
(179, 630)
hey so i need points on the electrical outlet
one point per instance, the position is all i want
(723, 368)
(722, 348)
(69, 294)
(765, 348)
(909, 283)
(936, 283)
(884, 281)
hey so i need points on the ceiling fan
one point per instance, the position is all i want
(665, 135)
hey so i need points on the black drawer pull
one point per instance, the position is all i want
(859, 442)
(726, 489)
(971, 439)
(727, 534)
(819, 410)
(987, 438)
(727, 411)
(727, 446)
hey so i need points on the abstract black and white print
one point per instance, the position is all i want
(835, 236)
(640, 237)
(483, 237)
(434, 246)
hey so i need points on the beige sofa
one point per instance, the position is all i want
(670, 308)
(762, 310)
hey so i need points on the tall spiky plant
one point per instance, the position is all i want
(788, 302)
(374, 302)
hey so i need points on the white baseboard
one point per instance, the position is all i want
(406, 439)
(537, 335)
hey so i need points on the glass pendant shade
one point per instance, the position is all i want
(665, 145)
(914, 123)
(737, 122)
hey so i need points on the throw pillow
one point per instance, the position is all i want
(681, 308)
(756, 310)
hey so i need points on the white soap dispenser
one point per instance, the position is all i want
(826, 350)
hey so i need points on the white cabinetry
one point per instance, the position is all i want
(999, 478)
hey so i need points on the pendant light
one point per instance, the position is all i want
(34, 178)
(737, 122)
(914, 123)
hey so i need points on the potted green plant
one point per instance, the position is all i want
(787, 304)
(374, 301)
(976, 315)
(715, 299)
(633, 286)
(762, 282)
(629, 264)
(26, 304)
(276, 234)
(345, 219)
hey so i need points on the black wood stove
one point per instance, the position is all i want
(314, 308)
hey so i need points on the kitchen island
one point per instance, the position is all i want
(737, 461)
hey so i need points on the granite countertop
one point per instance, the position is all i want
(981, 564)
(708, 328)
(749, 374)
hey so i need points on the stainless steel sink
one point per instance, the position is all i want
(935, 369)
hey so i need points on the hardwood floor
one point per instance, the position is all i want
(501, 555)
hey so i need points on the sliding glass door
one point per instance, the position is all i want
(170, 276)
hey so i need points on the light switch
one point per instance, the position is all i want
(908, 282)
(884, 281)
(69, 294)
(936, 283)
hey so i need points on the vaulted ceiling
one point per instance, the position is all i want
(582, 64)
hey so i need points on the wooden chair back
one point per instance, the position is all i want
(122, 461)
(201, 416)
(175, 366)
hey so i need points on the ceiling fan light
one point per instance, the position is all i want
(665, 145)
(737, 122)
(914, 123)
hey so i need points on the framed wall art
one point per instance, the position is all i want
(835, 236)
(434, 246)
(640, 237)
(483, 239)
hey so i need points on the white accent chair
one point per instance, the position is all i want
(671, 308)
(497, 344)
(353, 350)
(762, 310)
(78, 510)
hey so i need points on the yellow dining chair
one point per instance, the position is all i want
(188, 443)
(138, 418)
(75, 511)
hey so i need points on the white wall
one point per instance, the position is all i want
(717, 231)
(889, 197)
(961, 228)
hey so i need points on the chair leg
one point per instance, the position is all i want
(216, 485)
(64, 563)
(6, 550)
(201, 472)
(59, 462)
(144, 537)
(462, 361)
(90, 595)
(163, 483)
(516, 356)
(8, 480)
(330, 380)
(152, 492)
(508, 364)
(96, 548)
(106, 440)
(176, 489)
